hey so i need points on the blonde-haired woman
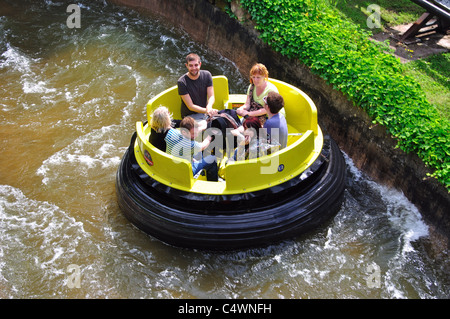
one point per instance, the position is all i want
(160, 123)
(179, 143)
(258, 89)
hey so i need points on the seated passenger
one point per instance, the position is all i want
(228, 124)
(258, 89)
(275, 126)
(181, 143)
(160, 123)
(249, 143)
(196, 91)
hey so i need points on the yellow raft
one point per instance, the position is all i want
(256, 202)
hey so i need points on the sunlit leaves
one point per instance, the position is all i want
(343, 54)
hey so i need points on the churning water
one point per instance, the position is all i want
(70, 98)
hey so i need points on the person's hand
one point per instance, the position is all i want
(247, 139)
(212, 112)
(242, 112)
(235, 132)
(243, 139)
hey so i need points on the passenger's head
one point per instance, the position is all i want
(188, 127)
(193, 65)
(161, 119)
(274, 102)
(259, 70)
(252, 125)
(192, 57)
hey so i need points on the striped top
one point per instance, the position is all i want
(180, 146)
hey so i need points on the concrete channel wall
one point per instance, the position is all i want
(370, 147)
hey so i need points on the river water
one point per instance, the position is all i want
(70, 98)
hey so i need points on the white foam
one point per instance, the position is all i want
(38, 241)
(357, 175)
(28, 73)
(404, 216)
(404, 220)
(87, 155)
(17, 61)
(32, 86)
(328, 242)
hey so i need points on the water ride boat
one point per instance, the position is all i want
(255, 202)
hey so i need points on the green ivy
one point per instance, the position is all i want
(343, 54)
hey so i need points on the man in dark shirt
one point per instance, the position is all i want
(196, 90)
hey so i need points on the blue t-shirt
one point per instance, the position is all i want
(277, 131)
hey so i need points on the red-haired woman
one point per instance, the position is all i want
(258, 89)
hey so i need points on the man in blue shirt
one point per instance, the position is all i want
(275, 126)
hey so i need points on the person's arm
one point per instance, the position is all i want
(206, 142)
(259, 112)
(240, 150)
(238, 131)
(242, 110)
(190, 105)
(198, 147)
(210, 101)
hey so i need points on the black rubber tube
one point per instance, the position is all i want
(236, 221)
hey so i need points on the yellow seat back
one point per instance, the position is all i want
(168, 98)
(159, 165)
(221, 94)
(267, 171)
(301, 112)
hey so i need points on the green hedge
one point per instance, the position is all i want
(343, 54)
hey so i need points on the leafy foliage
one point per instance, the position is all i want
(343, 54)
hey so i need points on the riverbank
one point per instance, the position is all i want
(371, 148)
(426, 58)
